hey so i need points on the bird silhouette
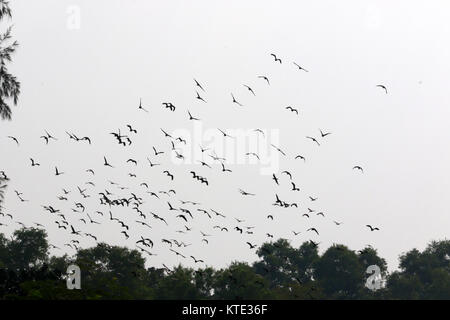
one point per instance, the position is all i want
(192, 118)
(372, 228)
(265, 78)
(131, 129)
(292, 109)
(382, 87)
(14, 139)
(199, 85)
(34, 163)
(274, 178)
(252, 246)
(166, 134)
(245, 193)
(324, 134)
(57, 172)
(199, 97)
(169, 174)
(275, 57)
(225, 169)
(299, 67)
(197, 260)
(313, 139)
(235, 101)
(105, 163)
(140, 106)
(279, 150)
(249, 89)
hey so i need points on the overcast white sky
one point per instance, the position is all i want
(89, 80)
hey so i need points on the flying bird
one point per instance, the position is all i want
(372, 228)
(225, 169)
(197, 261)
(235, 101)
(57, 173)
(245, 193)
(199, 97)
(168, 174)
(14, 139)
(140, 106)
(275, 57)
(292, 109)
(199, 85)
(300, 67)
(105, 163)
(382, 87)
(265, 78)
(279, 150)
(191, 117)
(252, 246)
(274, 178)
(131, 129)
(324, 134)
(313, 139)
(224, 133)
(34, 163)
(166, 134)
(288, 174)
(249, 89)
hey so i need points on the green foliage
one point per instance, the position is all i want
(282, 272)
(423, 275)
(340, 273)
(9, 86)
(240, 282)
(178, 284)
(28, 249)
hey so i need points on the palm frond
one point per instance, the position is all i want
(9, 85)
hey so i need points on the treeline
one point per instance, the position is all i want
(282, 272)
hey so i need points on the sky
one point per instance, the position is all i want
(85, 65)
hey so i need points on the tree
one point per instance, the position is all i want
(3, 185)
(9, 86)
(111, 272)
(287, 268)
(240, 282)
(339, 273)
(179, 284)
(423, 275)
(23, 259)
(204, 281)
(28, 249)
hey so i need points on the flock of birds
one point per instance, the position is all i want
(181, 214)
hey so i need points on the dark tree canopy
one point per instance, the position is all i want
(27, 271)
